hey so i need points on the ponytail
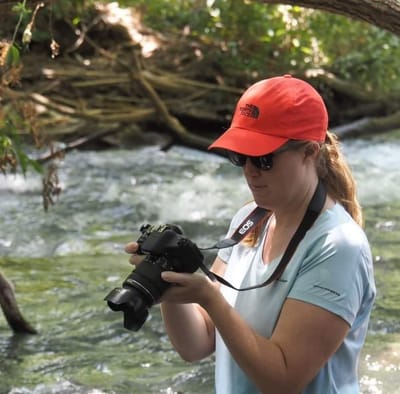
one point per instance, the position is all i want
(335, 173)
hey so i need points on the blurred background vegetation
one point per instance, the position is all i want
(222, 42)
(260, 39)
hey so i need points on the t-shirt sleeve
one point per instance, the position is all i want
(334, 273)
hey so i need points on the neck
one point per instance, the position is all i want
(294, 211)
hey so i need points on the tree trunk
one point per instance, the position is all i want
(381, 13)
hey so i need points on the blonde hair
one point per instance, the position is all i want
(334, 172)
(336, 175)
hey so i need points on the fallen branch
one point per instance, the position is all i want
(345, 87)
(368, 126)
(95, 115)
(178, 130)
(10, 309)
(78, 143)
(116, 88)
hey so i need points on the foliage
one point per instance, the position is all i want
(12, 49)
(16, 117)
(263, 39)
(358, 51)
(12, 154)
(22, 16)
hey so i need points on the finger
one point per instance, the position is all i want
(131, 247)
(175, 277)
(168, 276)
(136, 259)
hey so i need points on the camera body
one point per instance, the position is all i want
(165, 249)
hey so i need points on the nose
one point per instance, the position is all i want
(250, 169)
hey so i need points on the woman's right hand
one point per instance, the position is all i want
(135, 258)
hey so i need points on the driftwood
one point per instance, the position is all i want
(121, 88)
(76, 144)
(112, 90)
(367, 126)
(365, 102)
(121, 92)
(10, 309)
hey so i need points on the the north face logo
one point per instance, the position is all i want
(250, 110)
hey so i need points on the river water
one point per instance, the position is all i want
(65, 261)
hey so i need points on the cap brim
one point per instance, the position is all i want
(248, 142)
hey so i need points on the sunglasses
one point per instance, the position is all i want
(264, 162)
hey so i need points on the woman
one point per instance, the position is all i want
(303, 332)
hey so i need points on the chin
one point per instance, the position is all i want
(262, 204)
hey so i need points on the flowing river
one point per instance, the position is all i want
(63, 262)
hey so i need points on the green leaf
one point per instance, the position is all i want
(13, 57)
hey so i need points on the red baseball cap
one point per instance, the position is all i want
(273, 111)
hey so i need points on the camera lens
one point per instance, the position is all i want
(166, 250)
(140, 290)
(130, 302)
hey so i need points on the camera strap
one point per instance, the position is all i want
(313, 210)
(248, 224)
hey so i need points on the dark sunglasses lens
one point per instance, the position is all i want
(237, 159)
(262, 162)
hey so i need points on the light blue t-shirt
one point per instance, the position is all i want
(331, 268)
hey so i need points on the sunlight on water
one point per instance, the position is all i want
(17, 183)
(63, 387)
(378, 373)
(65, 261)
(109, 194)
(376, 168)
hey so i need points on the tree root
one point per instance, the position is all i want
(10, 309)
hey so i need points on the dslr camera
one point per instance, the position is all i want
(165, 249)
